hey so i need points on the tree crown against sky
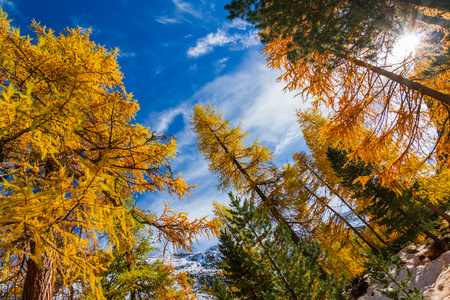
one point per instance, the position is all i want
(363, 29)
(380, 111)
(72, 162)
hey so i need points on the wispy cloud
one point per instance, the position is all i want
(221, 64)
(207, 44)
(186, 7)
(182, 9)
(8, 4)
(10, 7)
(238, 23)
(126, 54)
(253, 97)
(230, 35)
(223, 60)
(222, 38)
(80, 21)
(159, 69)
(167, 20)
(161, 121)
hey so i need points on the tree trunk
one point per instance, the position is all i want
(437, 4)
(415, 86)
(423, 229)
(39, 280)
(275, 265)
(434, 208)
(356, 231)
(439, 21)
(345, 202)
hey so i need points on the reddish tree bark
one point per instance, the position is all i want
(39, 281)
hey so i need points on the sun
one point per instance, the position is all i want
(405, 46)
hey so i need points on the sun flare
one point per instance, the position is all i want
(405, 46)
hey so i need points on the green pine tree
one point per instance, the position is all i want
(360, 29)
(262, 262)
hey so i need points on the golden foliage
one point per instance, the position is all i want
(238, 166)
(371, 114)
(71, 161)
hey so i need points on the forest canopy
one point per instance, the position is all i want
(374, 180)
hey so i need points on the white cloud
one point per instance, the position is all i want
(181, 10)
(221, 64)
(223, 60)
(223, 38)
(80, 22)
(238, 23)
(185, 7)
(167, 20)
(126, 54)
(9, 5)
(253, 97)
(159, 69)
(292, 134)
(207, 44)
(248, 40)
(161, 121)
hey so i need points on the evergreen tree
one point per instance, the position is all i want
(274, 267)
(220, 291)
(346, 27)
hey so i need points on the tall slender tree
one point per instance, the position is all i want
(247, 170)
(397, 213)
(287, 193)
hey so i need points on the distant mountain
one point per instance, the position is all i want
(355, 221)
(201, 267)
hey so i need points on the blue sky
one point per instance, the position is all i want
(174, 54)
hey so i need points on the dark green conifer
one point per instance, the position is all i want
(262, 262)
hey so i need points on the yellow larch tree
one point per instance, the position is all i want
(72, 162)
(249, 170)
(312, 122)
(370, 114)
(288, 194)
